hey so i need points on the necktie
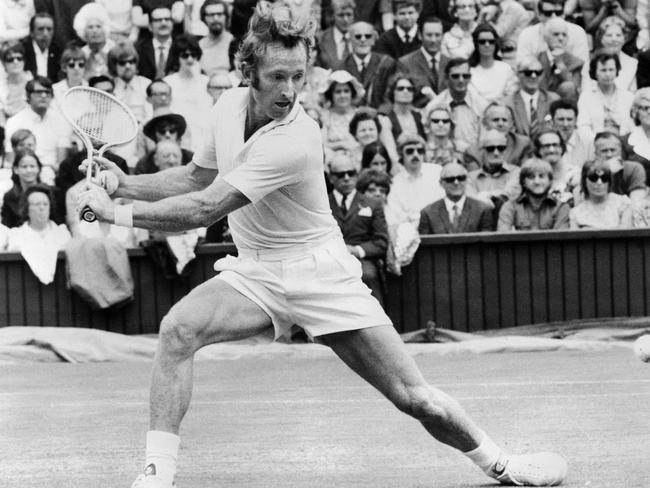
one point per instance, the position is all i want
(160, 65)
(533, 112)
(455, 216)
(407, 39)
(344, 208)
(346, 46)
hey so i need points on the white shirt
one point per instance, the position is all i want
(361, 61)
(279, 169)
(594, 108)
(166, 46)
(579, 147)
(453, 207)
(41, 60)
(494, 83)
(412, 33)
(411, 193)
(339, 40)
(339, 197)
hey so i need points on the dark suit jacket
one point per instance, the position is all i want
(147, 61)
(516, 103)
(367, 230)
(375, 76)
(53, 59)
(327, 50)
(390, 43)
(475, 217)
(415, 64)
(643, 69)
(397, 128)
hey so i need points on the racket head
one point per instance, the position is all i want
(102, 118)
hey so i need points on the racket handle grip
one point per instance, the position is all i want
(88, 215)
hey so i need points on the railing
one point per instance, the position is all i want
(464, 282)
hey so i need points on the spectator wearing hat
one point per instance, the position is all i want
(169, 126)
(404, 37)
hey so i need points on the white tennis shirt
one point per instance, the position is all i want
(279, 169)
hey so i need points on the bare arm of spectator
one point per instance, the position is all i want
(562, 217)
(506, 221)
(626, 217)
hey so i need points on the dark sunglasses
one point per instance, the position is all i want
(42, 92)
(594, 177)
(485, 42)
(76, 64)
(11, 59)
(166, 130)
(497, 147)
(126, 61)
(189, 54)
(547, 12)
(342, 174)
(363, 36)
(411, 150)
(162, 19)
(458, 76)
(454, 179)
(440, 121)
(404, 88)
(531, 72)
(508, 49)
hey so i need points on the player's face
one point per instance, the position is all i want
(406, 17)
(27, 170)
(565, 122)
(38, 208)
(366, 132)
(537, 184)
(432, 37)
(280, 77)
(215, 19)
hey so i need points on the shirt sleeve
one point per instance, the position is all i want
(635, 178)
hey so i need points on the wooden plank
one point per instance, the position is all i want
(32, 299)
(475, 290)
(393, 301)
(410, 304)
(442, 287)
(587, 279)
(523, 289)
(539, 299)
(490, 286)
(636, 283)
(5, 286)
(555, 285)
(603, 271)
(63, 298)
(458, 288)
(148, 303)
(425, 289)
(507, 286)
(571, 279)
(620, 279)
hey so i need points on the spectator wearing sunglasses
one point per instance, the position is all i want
(93, 26)
(73, 69)
(550, 147)
(166, 127)
(157, 56)
(12, 82)
(601, 207)
(402, 116)
(14, 21)
(455, 212)
(439, 129)
(530, 103)
(535, 208)
(457, 41)
(628, 177)
(461, 100)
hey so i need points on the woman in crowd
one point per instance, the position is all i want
(38, 228)
(600, 208)
(12, 84)
(491, 78)
(376, 157)
(93, 25)
(457, 42)
(534, 209)
(73, 67)
(439, 130)
(603, 105)
(189, 87)
(121, 24)
(612, 35)
(636, 145)
(402, 116)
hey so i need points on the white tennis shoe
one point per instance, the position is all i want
(148, 479)
(539, 469)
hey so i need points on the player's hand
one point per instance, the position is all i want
(96, 198)
(105, 165)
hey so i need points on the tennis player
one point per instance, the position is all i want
(263, 167)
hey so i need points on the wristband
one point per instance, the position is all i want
(124, 215)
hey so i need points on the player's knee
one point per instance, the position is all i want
(177, 338)
(423, 403)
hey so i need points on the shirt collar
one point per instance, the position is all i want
(157, 44)
(524, 197)
(505, 168)
(338, 196)
(412, 33)
(450, 205)
(338, 35)
(37, 49)
(527, 97)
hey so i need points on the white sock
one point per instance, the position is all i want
(486, 454)
(162, 452)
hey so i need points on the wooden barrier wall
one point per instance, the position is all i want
(464, 282)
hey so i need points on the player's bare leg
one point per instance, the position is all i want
(379, 356)
(212, 312)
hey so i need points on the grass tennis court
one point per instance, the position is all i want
(300, 421)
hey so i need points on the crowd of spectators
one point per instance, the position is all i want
(437, 116)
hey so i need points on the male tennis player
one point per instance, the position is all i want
(263, 167)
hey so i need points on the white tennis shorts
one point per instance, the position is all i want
(318, 288)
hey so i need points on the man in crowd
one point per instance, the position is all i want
(334, 42)
(579, 141)
(628, 177)
(218, 82)
(42, 55)
(216, 45)
(456, 212)
(157, 55)
(403, 38)
(159, 95)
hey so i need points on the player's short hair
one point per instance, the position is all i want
(273, 24)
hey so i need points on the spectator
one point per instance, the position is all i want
(12, 83)
(636, 145)
(456, 212)
(121, 23)
(579, 141)
(157, 55)
(612, 34)
(63, 12)
(361, 220)
(334, 42)
(93, 26)
(189, 87)
(26, 172)
(627, 177)
(159, 95)
(495, 181)
(14, 21)
(439, 9)
(167, 154)
(465, 105)
(604, 106)
(53, 134)
(4, 237)
(426, 65)
(374, 184)
(457, 41)
(643, 69)
(535, 208)
(530, 103)
(439, 129)
(414, 188)
(601, 208)
(511, 18)
(130, 87)
(38, 229)
(41, 54)
(594, 12)
(143, 12)
(377, 13)
(370, 68)
(550, 147)
(500, 117)
(218, 82)
(402, 116)
(491, 78)
(562, 71)
(403, 38)
(73, 67)
(169, 126)
(376, 157)
(216, 44)
(365, 128)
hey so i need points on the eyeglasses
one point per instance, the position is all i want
(214, 14)
(167, 130)
(458, 76)
(342, 174)
(411, 150)
(454, 179)
(531, 72)
(189, 54)
(362, 36)
(440, 121)
(496, 147)
(548, 12)
(162, 19)
(126, 61)
(485, 42)
(14, 59)
(45, 93)
(76, 64)
(550, 145)
(603, 177)
(404, 88)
